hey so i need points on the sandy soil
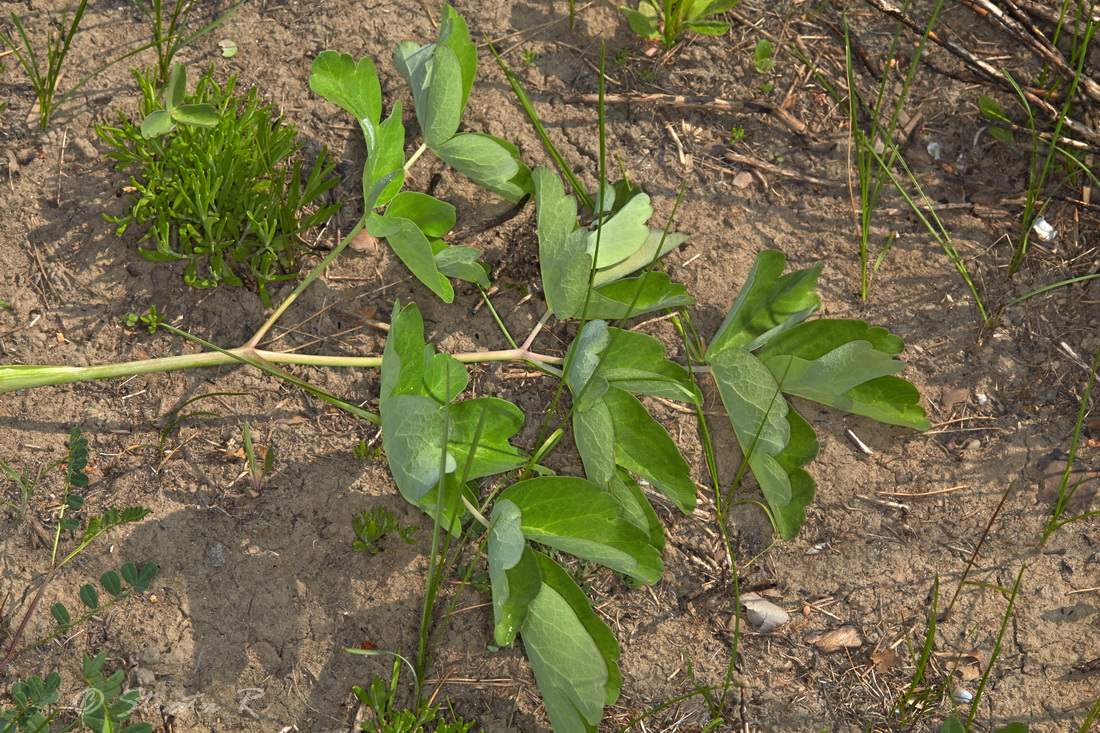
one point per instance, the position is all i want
(258, 594)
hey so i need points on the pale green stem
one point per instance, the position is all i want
(13, 377)
(416, 156)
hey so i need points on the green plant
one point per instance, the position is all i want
(363, 451)
(45, 73)
(163, 121)
(152, 319)
(34, 700)
(256, 470)
(168, 26)
(762, 57)
(371, 526)
(379, 698)
(104, 705)
(529, 57)
(225, 199)
(454, 458)
(668, 20)
(737, 134)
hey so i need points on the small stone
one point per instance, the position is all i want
(216, 555)
(742, 180)
(973, 445)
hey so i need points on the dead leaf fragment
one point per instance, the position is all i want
(885, 660)
(952, 396)
(844, 637)
(763, 614)
(363, 242)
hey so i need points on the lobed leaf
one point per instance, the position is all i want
(350, 85)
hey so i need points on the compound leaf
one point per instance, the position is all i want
(415, 251)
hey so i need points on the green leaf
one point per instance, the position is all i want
(762, 56)
(112, 583)
(577, 516)
(176, 87)
(158, 122)
(385, 158)
(412, 437)
(636, 508)
(563, 256)
(349, 85)
(776, 439)
(200, 115)
(444, 111)
(656, 246)
(89, 596)
(433, 217)
(455, 34)
(643, 25)
(845, 363)
(61, 614)
(490, 162)
(637, 363)
(594, 435)
(513, 570)
(644, 447)
(491, 422)
(709, 27)
(412, 247)
(583, 358)
(622, 234)
(572, 652)
(991, 109)
(461, 261)
(635, 296)
(768, 303)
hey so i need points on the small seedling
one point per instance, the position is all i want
(228, 47)
(256, 470)
(163, 121)
(762, 57)
(365, 452)
(152, 319)
(992, 111)
(529, 57)
(45, 74)
(371, 526)
(379, 698)
(737, 134)
(668, 20)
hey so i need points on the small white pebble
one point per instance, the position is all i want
(962, 697)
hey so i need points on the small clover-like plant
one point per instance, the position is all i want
(374, 524)
(129, 580)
